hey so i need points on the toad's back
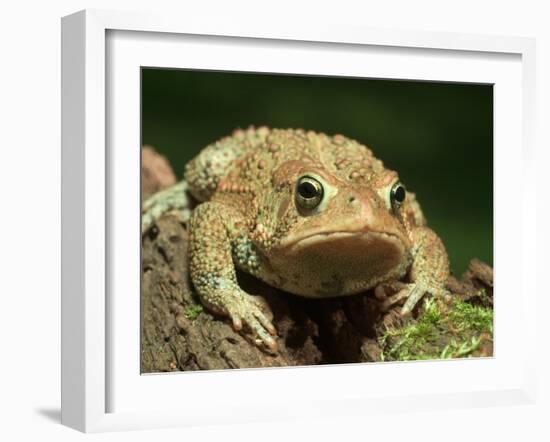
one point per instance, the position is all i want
(249, 157)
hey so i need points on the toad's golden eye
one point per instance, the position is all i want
(309, 192)
(397, 195)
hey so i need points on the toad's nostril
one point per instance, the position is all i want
(351, 199)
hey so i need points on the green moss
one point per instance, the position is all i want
(193, 312)
(466, 316)
(440, 332)
(458, 350)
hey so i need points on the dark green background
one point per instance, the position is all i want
(438, 136)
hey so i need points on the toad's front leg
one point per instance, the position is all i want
(429, 270)
(212, 228)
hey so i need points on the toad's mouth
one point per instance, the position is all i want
(338, 263)
(338, 235)
(365, 241)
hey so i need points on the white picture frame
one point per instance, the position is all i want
(101, 390)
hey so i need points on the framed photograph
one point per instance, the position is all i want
(268, 222)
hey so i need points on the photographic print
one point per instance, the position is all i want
(305, 220)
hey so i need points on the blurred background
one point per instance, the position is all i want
(438, 136)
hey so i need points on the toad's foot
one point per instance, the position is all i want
(414, 293)
(411, 294)
(250, 314)
(429, 270)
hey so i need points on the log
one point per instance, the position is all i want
(156, 172)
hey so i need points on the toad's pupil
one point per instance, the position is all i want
(307, 190)
(399, 194)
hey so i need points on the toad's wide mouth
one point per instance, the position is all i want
(358, 239)
(337, 263)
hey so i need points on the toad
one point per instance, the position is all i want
(308, 213)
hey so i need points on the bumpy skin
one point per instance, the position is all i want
(355, 239)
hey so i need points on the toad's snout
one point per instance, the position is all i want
(370, 214)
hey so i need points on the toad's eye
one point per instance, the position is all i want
(397, 195)
(309, 192)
